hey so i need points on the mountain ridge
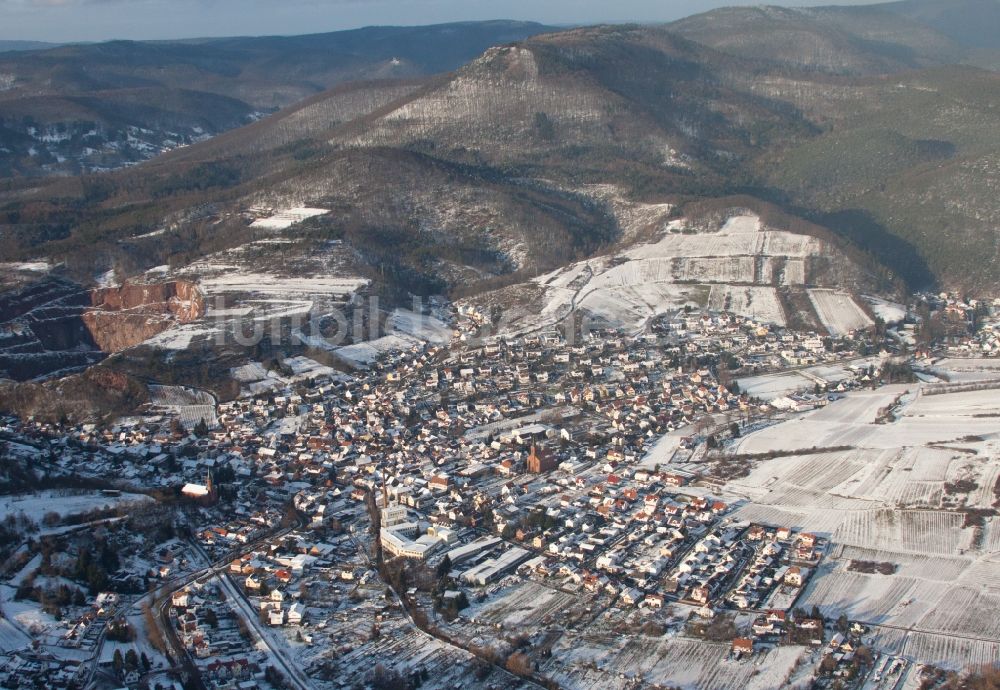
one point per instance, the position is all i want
(240, 78)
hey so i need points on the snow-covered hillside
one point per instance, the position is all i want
(741, 267)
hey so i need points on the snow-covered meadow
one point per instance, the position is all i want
(891, 491)
(838, 312)
(64, 503)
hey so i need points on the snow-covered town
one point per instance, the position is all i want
(456, 345)
(564, 510)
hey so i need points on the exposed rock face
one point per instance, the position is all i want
(56, 324)
(178, 297)
(125, 316)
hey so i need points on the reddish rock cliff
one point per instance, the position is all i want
(125, 316)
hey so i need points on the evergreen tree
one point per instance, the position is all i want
(444, 567)
(201, 428)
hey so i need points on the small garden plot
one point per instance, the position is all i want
(527, 604)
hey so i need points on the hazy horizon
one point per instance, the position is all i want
(63, 21)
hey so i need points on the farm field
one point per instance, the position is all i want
(838, 312)
(759, 303)
(849, 421)
(613, 661)
(893, 497)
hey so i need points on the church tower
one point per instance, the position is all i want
(210, 486)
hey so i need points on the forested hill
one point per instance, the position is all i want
(87, 107)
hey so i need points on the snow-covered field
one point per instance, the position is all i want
(527, 604)
(364, 354)
(767, 387)
(892, 498)
(759, 303)
(420, 326)
(890, 312)
(270, 284)
(613, 661)
(664, 449)
(178, 396)
(281, 220)
(65, 503)
(12, 638)
(406, 330)
(838, 312)
(27, 266)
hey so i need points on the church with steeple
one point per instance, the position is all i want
(202, 493)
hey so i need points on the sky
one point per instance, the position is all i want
(95, 20)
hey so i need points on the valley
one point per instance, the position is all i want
(495, 354)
